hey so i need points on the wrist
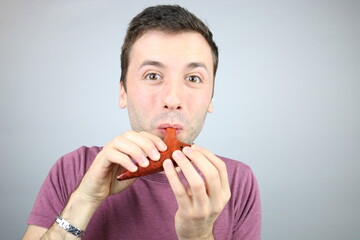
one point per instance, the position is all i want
(207, 237)
(68, 227)
(79, 210)
(210, 237)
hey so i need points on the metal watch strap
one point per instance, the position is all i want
(69, 228)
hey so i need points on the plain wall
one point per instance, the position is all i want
(287, 101)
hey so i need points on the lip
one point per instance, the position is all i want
(162, 127)
(168, 125)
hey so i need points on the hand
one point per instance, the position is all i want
(100, 180)
(204, 200)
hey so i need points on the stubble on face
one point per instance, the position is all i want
(140, 121)
(145, 105)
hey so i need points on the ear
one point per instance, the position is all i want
(210, 108)
(123, 96)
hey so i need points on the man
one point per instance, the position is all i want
(168, 62)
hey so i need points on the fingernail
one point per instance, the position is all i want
(178, 154)
(196, 147)
(167, 164)
(134, 168)
(155, 155)
(187, 150)
(144, 161)
(163, 147)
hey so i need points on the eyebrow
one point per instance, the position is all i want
(152, 63)
(196, 65)
(161, 65)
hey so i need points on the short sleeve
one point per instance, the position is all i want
(61, 181)
(248, 225)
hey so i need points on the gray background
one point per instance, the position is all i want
(286, 103)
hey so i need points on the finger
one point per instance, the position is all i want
(159, 143)
(122, 159)
(124, 145)
(196, 183)
(210, 172)
(177, 186)
(219, 164)
(150, 144)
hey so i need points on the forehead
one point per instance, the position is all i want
(180, 47)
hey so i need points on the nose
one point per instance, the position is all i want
(172, 95)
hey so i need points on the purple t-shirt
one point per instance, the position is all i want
(145, 210)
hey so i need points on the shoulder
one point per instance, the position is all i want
(67, 172)
(236, 168)
(245, 203)
(74, 164)
(242, 179)
(83, 152)
(61, 181)
(81, 157)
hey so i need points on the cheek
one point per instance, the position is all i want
(198, 102)
(142, 100)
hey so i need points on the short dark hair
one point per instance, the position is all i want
(165, 18)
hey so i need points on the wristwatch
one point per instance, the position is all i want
(69, 228)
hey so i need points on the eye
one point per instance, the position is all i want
(194, 79)
(152, 76)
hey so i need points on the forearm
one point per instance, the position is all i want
(78, 212)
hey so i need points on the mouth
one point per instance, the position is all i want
(162, 128)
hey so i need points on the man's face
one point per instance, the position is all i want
(169, 84)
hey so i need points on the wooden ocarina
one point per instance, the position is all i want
(156, 166)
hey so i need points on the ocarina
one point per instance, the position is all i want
(172, 144)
